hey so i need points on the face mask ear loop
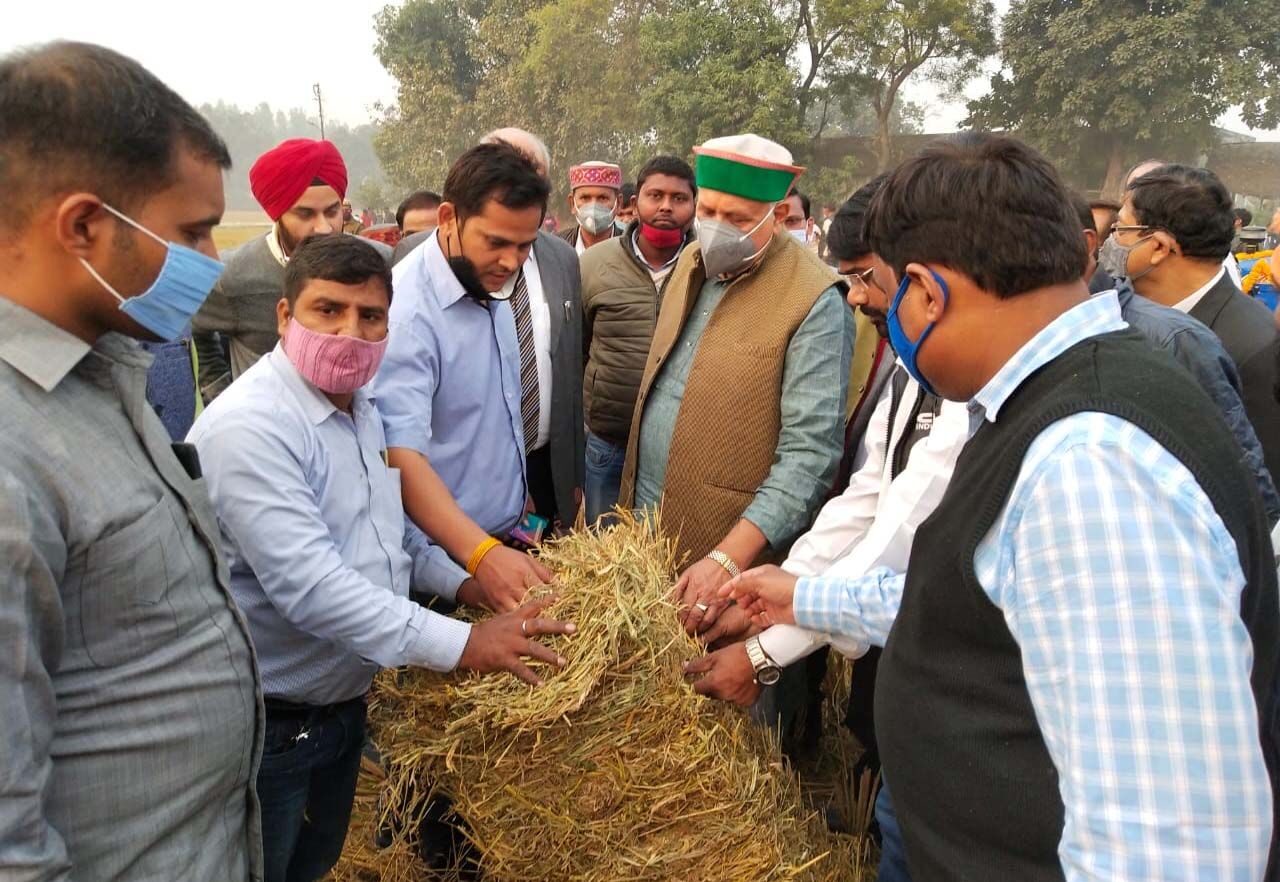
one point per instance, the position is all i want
(133, 223)
(101, 281)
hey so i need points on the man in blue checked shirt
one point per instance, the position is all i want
(313, 530)
(1082, 654)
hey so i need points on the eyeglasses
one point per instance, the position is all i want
(1130, 228)
(862, 278)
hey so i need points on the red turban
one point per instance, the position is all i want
(281, 175)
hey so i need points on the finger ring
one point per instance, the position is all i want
(523, 624)
(702, 607)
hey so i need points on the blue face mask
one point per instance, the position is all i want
(165, 309)
(907, 350)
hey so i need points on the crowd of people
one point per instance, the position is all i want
(1010, 449)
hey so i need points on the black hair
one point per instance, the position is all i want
(76, 116)
(666, 165)
(348, 260)
(846, 237)
(415, 201)
(1245, 216)
(804, 202)
(980, 204)
(494, 171)
(1191, 205)
(628, 192)
(1083, 208)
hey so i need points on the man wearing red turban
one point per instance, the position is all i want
(300, 184)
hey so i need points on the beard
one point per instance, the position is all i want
(290, 242)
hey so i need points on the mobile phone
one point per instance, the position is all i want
(530, 529)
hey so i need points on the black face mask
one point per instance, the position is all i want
(465, 272)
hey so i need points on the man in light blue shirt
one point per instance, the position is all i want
(1084, 643)
(313, 530)
(453, 385)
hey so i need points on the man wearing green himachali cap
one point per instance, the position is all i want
(738, 426)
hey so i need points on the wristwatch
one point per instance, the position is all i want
(767, 671)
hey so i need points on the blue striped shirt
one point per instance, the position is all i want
(1121, 586)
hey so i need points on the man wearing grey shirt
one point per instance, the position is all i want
(130, 717)
(313, 529)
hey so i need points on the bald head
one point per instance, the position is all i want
(527, 143)
(1142, 168)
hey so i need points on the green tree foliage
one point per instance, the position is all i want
(1098, 85)
(626, 79)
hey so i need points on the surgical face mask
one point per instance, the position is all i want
(726, 250)
(167, 307)
(907, 350)
(800, 236)
(464, 270)
(1114, 257)
(594, 217)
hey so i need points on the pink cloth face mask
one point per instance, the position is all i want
(333, 363)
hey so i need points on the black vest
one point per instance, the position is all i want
(973, 784)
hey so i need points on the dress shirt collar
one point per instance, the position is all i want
(1099, 314)
(448, 290)
(44, 353)
(315, 404)
(635, 246)
(274, 246)
(1189, 303)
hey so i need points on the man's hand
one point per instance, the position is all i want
(696, 592)
(765, 593)
(731, 626)
(501, 643)
(726, 674)
(502, 580)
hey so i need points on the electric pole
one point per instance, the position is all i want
(315, 90)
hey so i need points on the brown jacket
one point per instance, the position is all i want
(729, 421)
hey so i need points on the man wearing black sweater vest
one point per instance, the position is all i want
(1078, 679)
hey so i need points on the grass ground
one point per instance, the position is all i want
(230, 237)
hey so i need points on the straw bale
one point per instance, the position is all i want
(612, 770)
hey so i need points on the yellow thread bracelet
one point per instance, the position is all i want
(478, 555)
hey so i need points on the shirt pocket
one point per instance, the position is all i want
(124, 608)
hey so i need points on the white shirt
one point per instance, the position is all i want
(873, 523)
(661, 272)
(540, 316)
(1233, 269)
(312, 527)
(579, 245)
(1189, 303)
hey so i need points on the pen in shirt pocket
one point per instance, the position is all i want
(568, 310)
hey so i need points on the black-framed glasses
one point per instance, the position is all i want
(1130, 228)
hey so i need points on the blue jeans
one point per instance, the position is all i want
(893, 858)
(604, 476)
(307, 784)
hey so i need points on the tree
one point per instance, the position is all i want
(1122, 79)
(893, 41)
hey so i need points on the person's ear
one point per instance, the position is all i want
(1091, 241)
(936, 291)
(780, 212)
(82, 226)
(282, 316)
(1165, 247)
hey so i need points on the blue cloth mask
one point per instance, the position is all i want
(166, 308)
(907, 350)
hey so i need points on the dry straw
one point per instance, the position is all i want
(612, 770)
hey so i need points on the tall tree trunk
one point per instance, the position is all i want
(883, 141)
(1113, 186)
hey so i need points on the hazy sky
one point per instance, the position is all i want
(248, 51)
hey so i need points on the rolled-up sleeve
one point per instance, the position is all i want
(31, 634)
(264, 502)
(815, 384)
(406, 383)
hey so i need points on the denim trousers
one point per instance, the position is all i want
(604, 476)
(893, 857)
(306, 785)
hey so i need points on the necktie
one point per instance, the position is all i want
(529, 400)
